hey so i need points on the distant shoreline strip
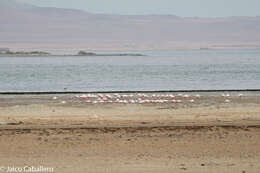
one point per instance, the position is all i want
(111, 92)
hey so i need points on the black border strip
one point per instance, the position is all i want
(103, 92)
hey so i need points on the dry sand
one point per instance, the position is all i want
(208, 135)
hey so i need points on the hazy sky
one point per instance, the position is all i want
(200, 8)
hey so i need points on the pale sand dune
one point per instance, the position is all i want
(32, 27)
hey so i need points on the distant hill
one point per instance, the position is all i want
(28, 26)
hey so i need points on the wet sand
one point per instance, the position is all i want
(207, 135)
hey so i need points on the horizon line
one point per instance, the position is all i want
(145, 14)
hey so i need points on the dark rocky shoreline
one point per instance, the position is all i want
(80, 53)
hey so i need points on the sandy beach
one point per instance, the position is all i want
(69, 133)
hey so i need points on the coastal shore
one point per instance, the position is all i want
(212, 133)
(46, 54)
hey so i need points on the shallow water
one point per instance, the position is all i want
(159, 70)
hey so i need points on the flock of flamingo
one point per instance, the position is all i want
(141, 98)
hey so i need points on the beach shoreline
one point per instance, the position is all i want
(68, 134)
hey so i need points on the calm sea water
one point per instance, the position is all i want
(159, 70)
